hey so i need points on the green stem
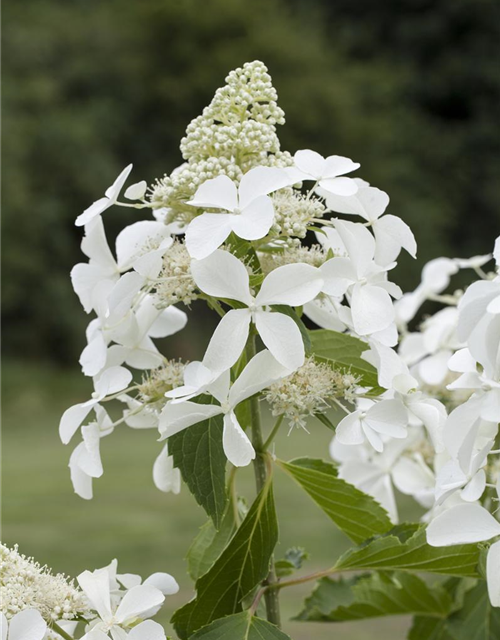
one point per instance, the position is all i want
(274, 431)
(261, 474)
(61, 632)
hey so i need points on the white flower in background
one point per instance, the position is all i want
(259, 373)
(428, 351)
(436, 276)
(111, 381)
(328, 173)
(378, 473)
(250, 209)
(114, 615)
(26, 625)
(370, 203)
(362, 280)
(24, 585)
(372, 421)
(223, 276)
(422, 410)
(109, 199)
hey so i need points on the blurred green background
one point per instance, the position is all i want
(409, 88)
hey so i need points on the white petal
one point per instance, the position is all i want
(237, 447)
(95, 246)
(389, 417)
(112, 380)
(493, 573)
(449, 478)
(147, 630)
(338, 274)
(462, 361)
(114, 190)
(310, 163)
(137, 601)
(490, 407)
(475, 487)
(85, 278)
(122, 296)
(72, 418)
(410, 477)
(164, 582)
(255, 220)
(165, 476)
(339, 186)
(170, 321)
(222, 275)
(27, 625)
(93, 357)
(434, 369)
(176, 417)
(372, 309)
(323, 313)
(392, 234)
(136, 191)
(217, 193)
(135, 239)
(228, 340)
(282, 337)
(81, 481)
(262, 370)
(338, 165)
(292, 285)
(260, 181)
(95, 209)
(150, 264)
(349, 429)
(96, 587)
(91, 463)
(359, 242)
(462, 524)
(219, 388)
(207, 232)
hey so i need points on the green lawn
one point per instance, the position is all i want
(129, 518)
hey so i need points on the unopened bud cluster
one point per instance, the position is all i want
(315, 256)
(175, 283)
(294, 212)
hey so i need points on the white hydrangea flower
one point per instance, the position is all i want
(328, 173)
(259, 373)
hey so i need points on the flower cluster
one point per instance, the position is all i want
(233, 227)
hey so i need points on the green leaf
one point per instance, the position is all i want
(358, 515)
(374, 596)
(240, 568)
(405, 548)
(292, 561)
(209, 544)
(291, 313)
(475, 620)
(342, 351)
(244, 251)
(199, 455)
(241, 626)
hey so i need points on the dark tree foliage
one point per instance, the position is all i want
(409, 88)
